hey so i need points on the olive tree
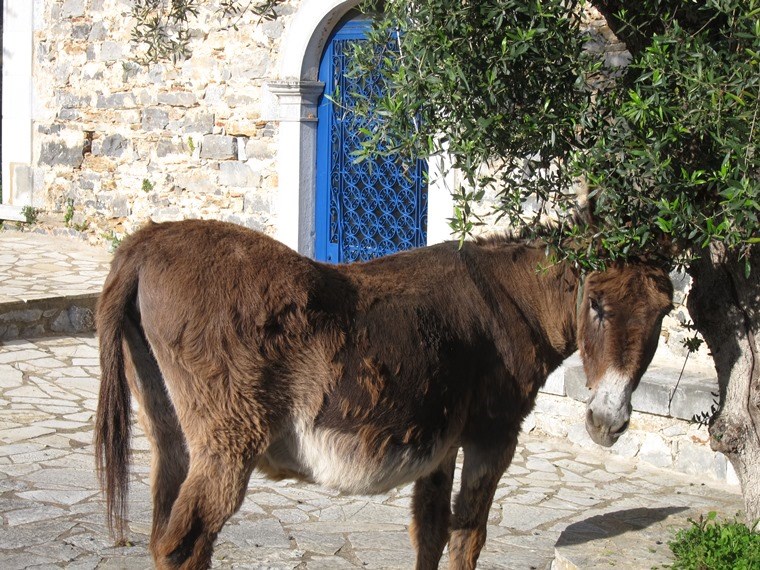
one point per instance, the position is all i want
(664, 148)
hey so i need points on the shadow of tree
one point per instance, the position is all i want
(614, 524)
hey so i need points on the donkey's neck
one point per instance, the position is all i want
(543, 292)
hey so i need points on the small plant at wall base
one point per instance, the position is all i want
(713, 545)
(69, 212)
(113, 240)
(30, 214)
(147, 185)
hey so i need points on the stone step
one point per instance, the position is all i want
(48, 283)
(660, 391)
(48, 316)
(662, 432)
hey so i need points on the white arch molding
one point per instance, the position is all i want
(297, 92)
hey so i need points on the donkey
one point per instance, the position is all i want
(243, 354)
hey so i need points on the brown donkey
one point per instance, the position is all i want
(244, 354)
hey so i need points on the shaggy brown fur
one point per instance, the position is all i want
(243, 354)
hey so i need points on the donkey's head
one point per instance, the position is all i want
(619, 320)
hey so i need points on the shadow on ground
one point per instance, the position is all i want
(614, 524)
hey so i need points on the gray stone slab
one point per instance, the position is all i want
(575, 383)
(694, 400)
(219, 147)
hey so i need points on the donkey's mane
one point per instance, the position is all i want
(508, 237)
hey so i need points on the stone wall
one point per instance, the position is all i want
(124, 142)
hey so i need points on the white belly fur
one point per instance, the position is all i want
(339, 460)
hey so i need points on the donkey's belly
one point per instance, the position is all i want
(345, 461)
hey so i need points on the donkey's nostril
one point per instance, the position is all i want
(590, 419)
(622, 428)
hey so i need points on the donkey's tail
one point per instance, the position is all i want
(113, 417)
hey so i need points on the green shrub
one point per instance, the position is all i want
(713, 545)
(30, 213)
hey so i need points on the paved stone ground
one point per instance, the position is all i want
(37, 266)
(598, 511)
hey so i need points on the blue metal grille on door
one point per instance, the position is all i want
(367, 209)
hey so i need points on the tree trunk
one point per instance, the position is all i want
(725, 307)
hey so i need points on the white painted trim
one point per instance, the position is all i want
(18, 34)
(306, 37)
(440, 203)
(296, 159)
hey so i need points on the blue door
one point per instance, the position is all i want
(369, 209)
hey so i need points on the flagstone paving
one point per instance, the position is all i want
(36, 266)
(558, 502)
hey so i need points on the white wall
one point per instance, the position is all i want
(17, 101)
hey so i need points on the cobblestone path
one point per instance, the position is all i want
(554, 494)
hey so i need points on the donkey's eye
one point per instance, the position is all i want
(596, 307)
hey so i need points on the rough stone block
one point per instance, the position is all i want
(201, 123)
(111, 51)
(555, 383)
(628, 445)
(235, 173)
(61, 323)
(214, 93)
(577, 434)
(33, 331)
(8, 332)
(82, 319)
(692, 399)
(654, 450)
(695, 459)
(177, 99)
(74, 320)
(243, 127)
(219, 147)
(154, 119)
(98, 32)
(167, 147)
(259, 149)
(116, 101)
(111, 145)
(23, 316)
(120, 208)
(67, 99)
(56, 153)
(653, 394)
(81, 31)
(575, 383)
(255, 202)
(72, 9)
(68, 115)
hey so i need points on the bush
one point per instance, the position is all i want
(713, 545)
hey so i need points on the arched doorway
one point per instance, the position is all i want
(374, 207)
(295, 92)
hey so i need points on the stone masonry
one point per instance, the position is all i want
(123, 142)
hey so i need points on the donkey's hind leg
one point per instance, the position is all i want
(431, 513)
(158, 419)
(213, 490)
(482, 469)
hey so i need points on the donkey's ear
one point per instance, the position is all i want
(585, 203)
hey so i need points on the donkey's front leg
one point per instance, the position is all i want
(482, 469)
(431, 513)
